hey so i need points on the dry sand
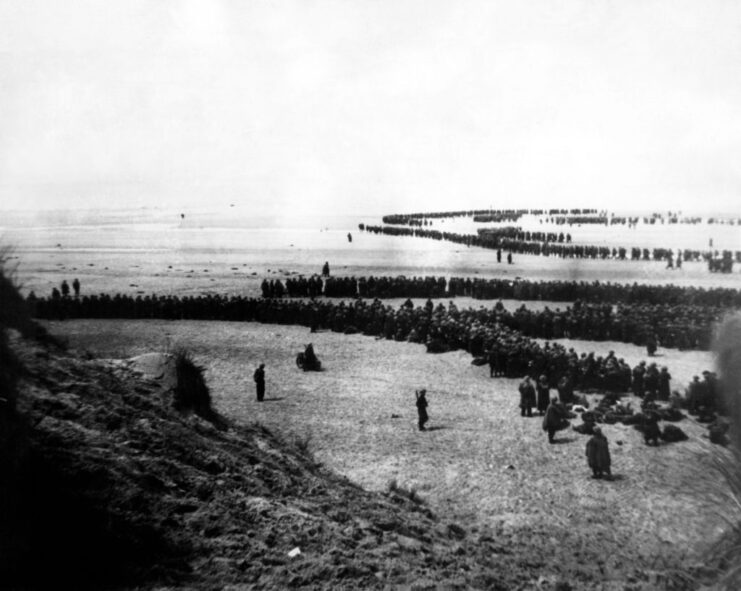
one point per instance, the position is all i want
(480, 463)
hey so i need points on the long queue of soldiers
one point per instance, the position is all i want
(506, 239)
(417, 219)
(496, 289)
(557, 216)
(483, 333)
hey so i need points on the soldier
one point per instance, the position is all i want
(325, 269)
(598, 455)
(651, 382)
(664, 383)
(76, 287)
(492, 359)
(259, 378)
(421, 408)
(565, 389)
(651, 430)
(544, 394)
(554, 419)
(310, 358)
(639, 371)
(65, 288)
(527, 397)
(694, 394)
(651, 343)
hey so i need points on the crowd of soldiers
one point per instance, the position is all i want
(420, 219)
(494, 289)
(497, 218)
(592, 291)
(483, 333)
(638, 320)
(675, 327)
(513, 240)
(558, 216)
(494, 234)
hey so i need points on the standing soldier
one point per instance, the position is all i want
(664, 384)
(76, 287)
(65, 288)
(598, 455)
(651, 343)
(422, 408)
(651, 382)
(544, 394)
(260, 382)
(325, 269)
(527, 397)
(639, 371)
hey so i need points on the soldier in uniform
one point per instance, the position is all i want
(664, 383)
(527, 397)
(421, 408)
(554, 419)
(598, 455)
(544, 394)
(639, 371)
(259, 377)
(651, 430)
(651, 382)
(651, 343)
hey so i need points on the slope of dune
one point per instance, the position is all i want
(114, 488)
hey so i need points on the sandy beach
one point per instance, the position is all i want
(480, 463)
(156, 251)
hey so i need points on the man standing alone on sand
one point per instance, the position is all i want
(260, 382)
(422, 408)
(598, 455)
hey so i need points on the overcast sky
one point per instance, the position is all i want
(377, 106)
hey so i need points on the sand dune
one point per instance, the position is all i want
(479, 463)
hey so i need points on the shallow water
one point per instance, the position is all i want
(230, 251)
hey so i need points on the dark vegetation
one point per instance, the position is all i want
(191, 392)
